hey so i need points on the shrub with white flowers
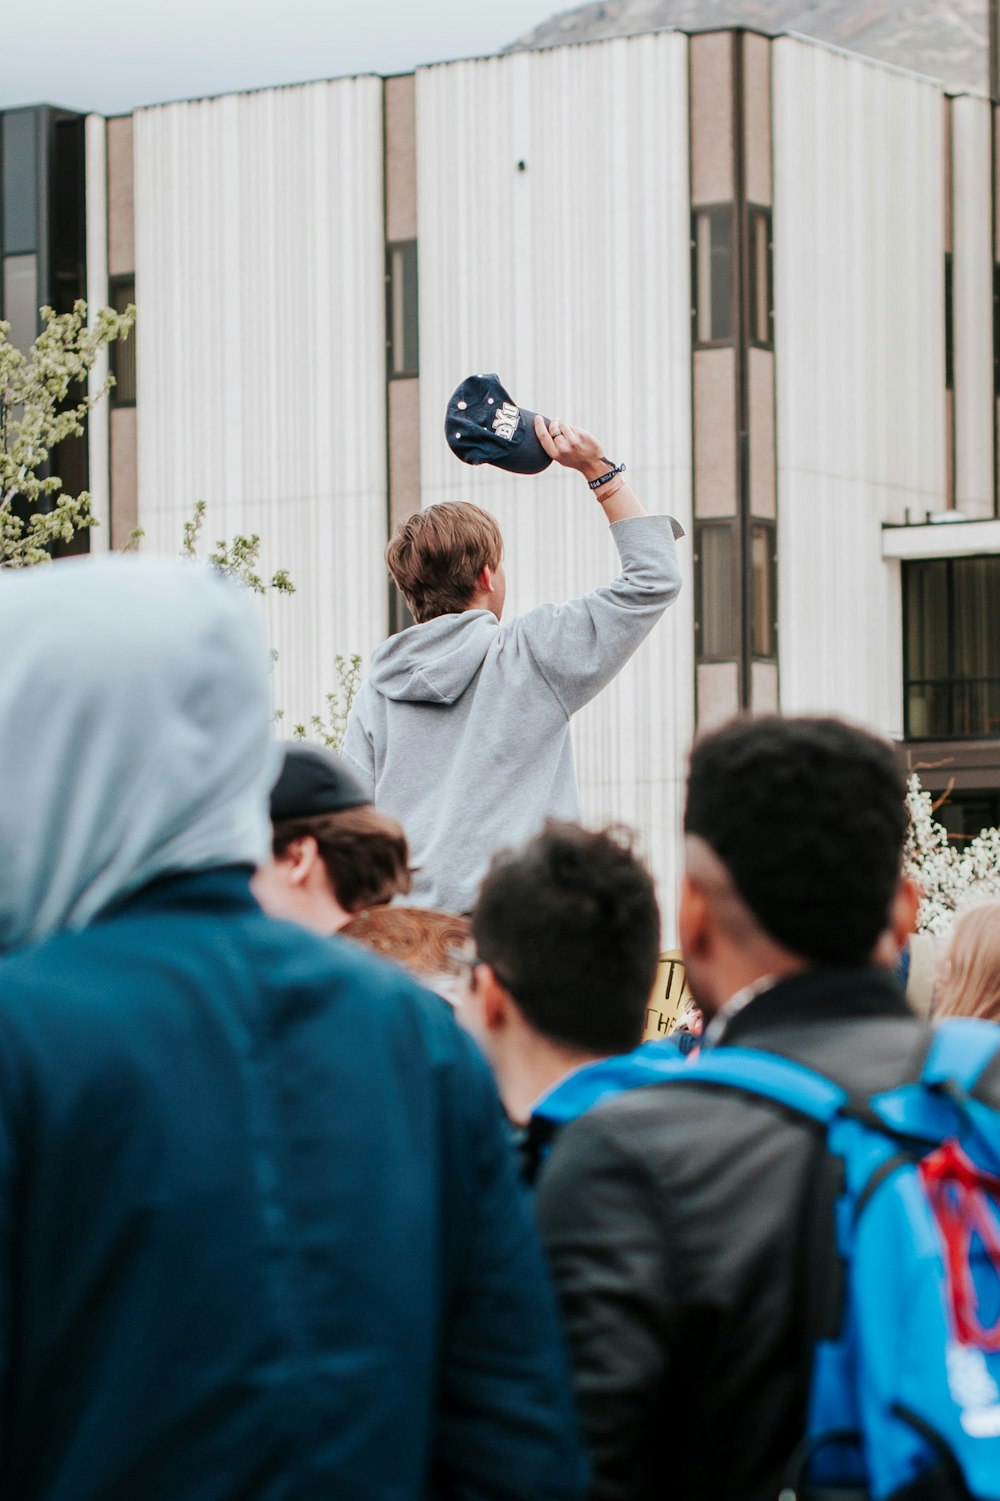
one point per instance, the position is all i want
(950, 878)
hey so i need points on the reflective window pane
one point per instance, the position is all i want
(718, 597)
(19, 151)
(760, 276)
(713, 271)
(20, 299)
(122, 352)
(402, 332)
(765, 591)
(952, 648)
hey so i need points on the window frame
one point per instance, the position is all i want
(728, 524)
(759, 213)
(951, 682)
(117, 284)
(716, 210)
(411, 368)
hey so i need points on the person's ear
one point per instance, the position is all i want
(495, 999)
(484, 583)
(904, 911)
(694, 923)
(299, 858)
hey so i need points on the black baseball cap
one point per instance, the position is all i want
(313, 781)
(486, 426)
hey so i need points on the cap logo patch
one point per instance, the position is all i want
(506, 420)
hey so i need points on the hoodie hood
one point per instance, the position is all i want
(134, 735)
(435, 662)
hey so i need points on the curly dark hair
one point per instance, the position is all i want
(570, 925)
(808, 816)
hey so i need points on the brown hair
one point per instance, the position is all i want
(971, 983)
(415, 937)
(365, 853)
(436, 556)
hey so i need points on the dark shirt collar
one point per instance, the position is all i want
(221, 888)
(816, 995)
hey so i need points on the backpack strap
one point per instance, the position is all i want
(771, 1077)
(959, 1052)
(650, 1063)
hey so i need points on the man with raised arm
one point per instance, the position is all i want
(462, 729)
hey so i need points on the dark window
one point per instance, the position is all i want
(402, 331)
(122, 351)
(67, 222)
(19, 150)
(952, 648)
(761, 278)
(716, 591)
(949, 326)
(765, 591)
(712, 274)
(967, 813)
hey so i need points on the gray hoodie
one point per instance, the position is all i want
(462, 729)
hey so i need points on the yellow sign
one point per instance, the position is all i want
(670, 997)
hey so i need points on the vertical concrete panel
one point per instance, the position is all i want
(760, 373)
(587, 317)
(400, 158)
(859, 311)
(404, 448)
(718, 693)
(124, 475)
(972, 302)
(757, 118)
(98, 461)
(261, 364)
(714, 432)
(764, 687)
(121, 198)
(712, 117)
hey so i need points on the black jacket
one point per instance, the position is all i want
(673, 1218)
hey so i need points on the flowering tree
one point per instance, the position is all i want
(950, 879)
(43, 401)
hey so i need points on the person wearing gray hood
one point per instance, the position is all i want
(260, 1234)
(462, 729)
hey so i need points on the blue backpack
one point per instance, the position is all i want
(903, 1311)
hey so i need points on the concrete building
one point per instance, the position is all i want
(763, 270)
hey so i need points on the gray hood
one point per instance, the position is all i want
(435, 662)
(134, 735)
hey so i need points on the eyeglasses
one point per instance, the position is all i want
(467, 959)
(464, 958)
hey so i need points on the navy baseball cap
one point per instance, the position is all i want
(485, 426)
(313, 781)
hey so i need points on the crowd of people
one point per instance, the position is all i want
(333, 1164)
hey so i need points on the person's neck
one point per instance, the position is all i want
(739, 976)
(531, 1071)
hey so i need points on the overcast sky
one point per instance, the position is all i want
(111, 55)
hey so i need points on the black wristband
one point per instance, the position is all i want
(595, 484)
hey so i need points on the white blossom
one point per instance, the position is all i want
(950, 879)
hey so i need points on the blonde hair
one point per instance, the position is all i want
(437, 555)
(971, 981)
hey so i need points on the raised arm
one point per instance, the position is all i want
(576, 449)
(581, 645)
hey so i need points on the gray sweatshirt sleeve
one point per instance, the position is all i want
(580, 646)
(357, 749)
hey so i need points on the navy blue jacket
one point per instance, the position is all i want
(260, 1234)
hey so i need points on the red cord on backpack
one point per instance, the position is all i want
(964, 1200)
